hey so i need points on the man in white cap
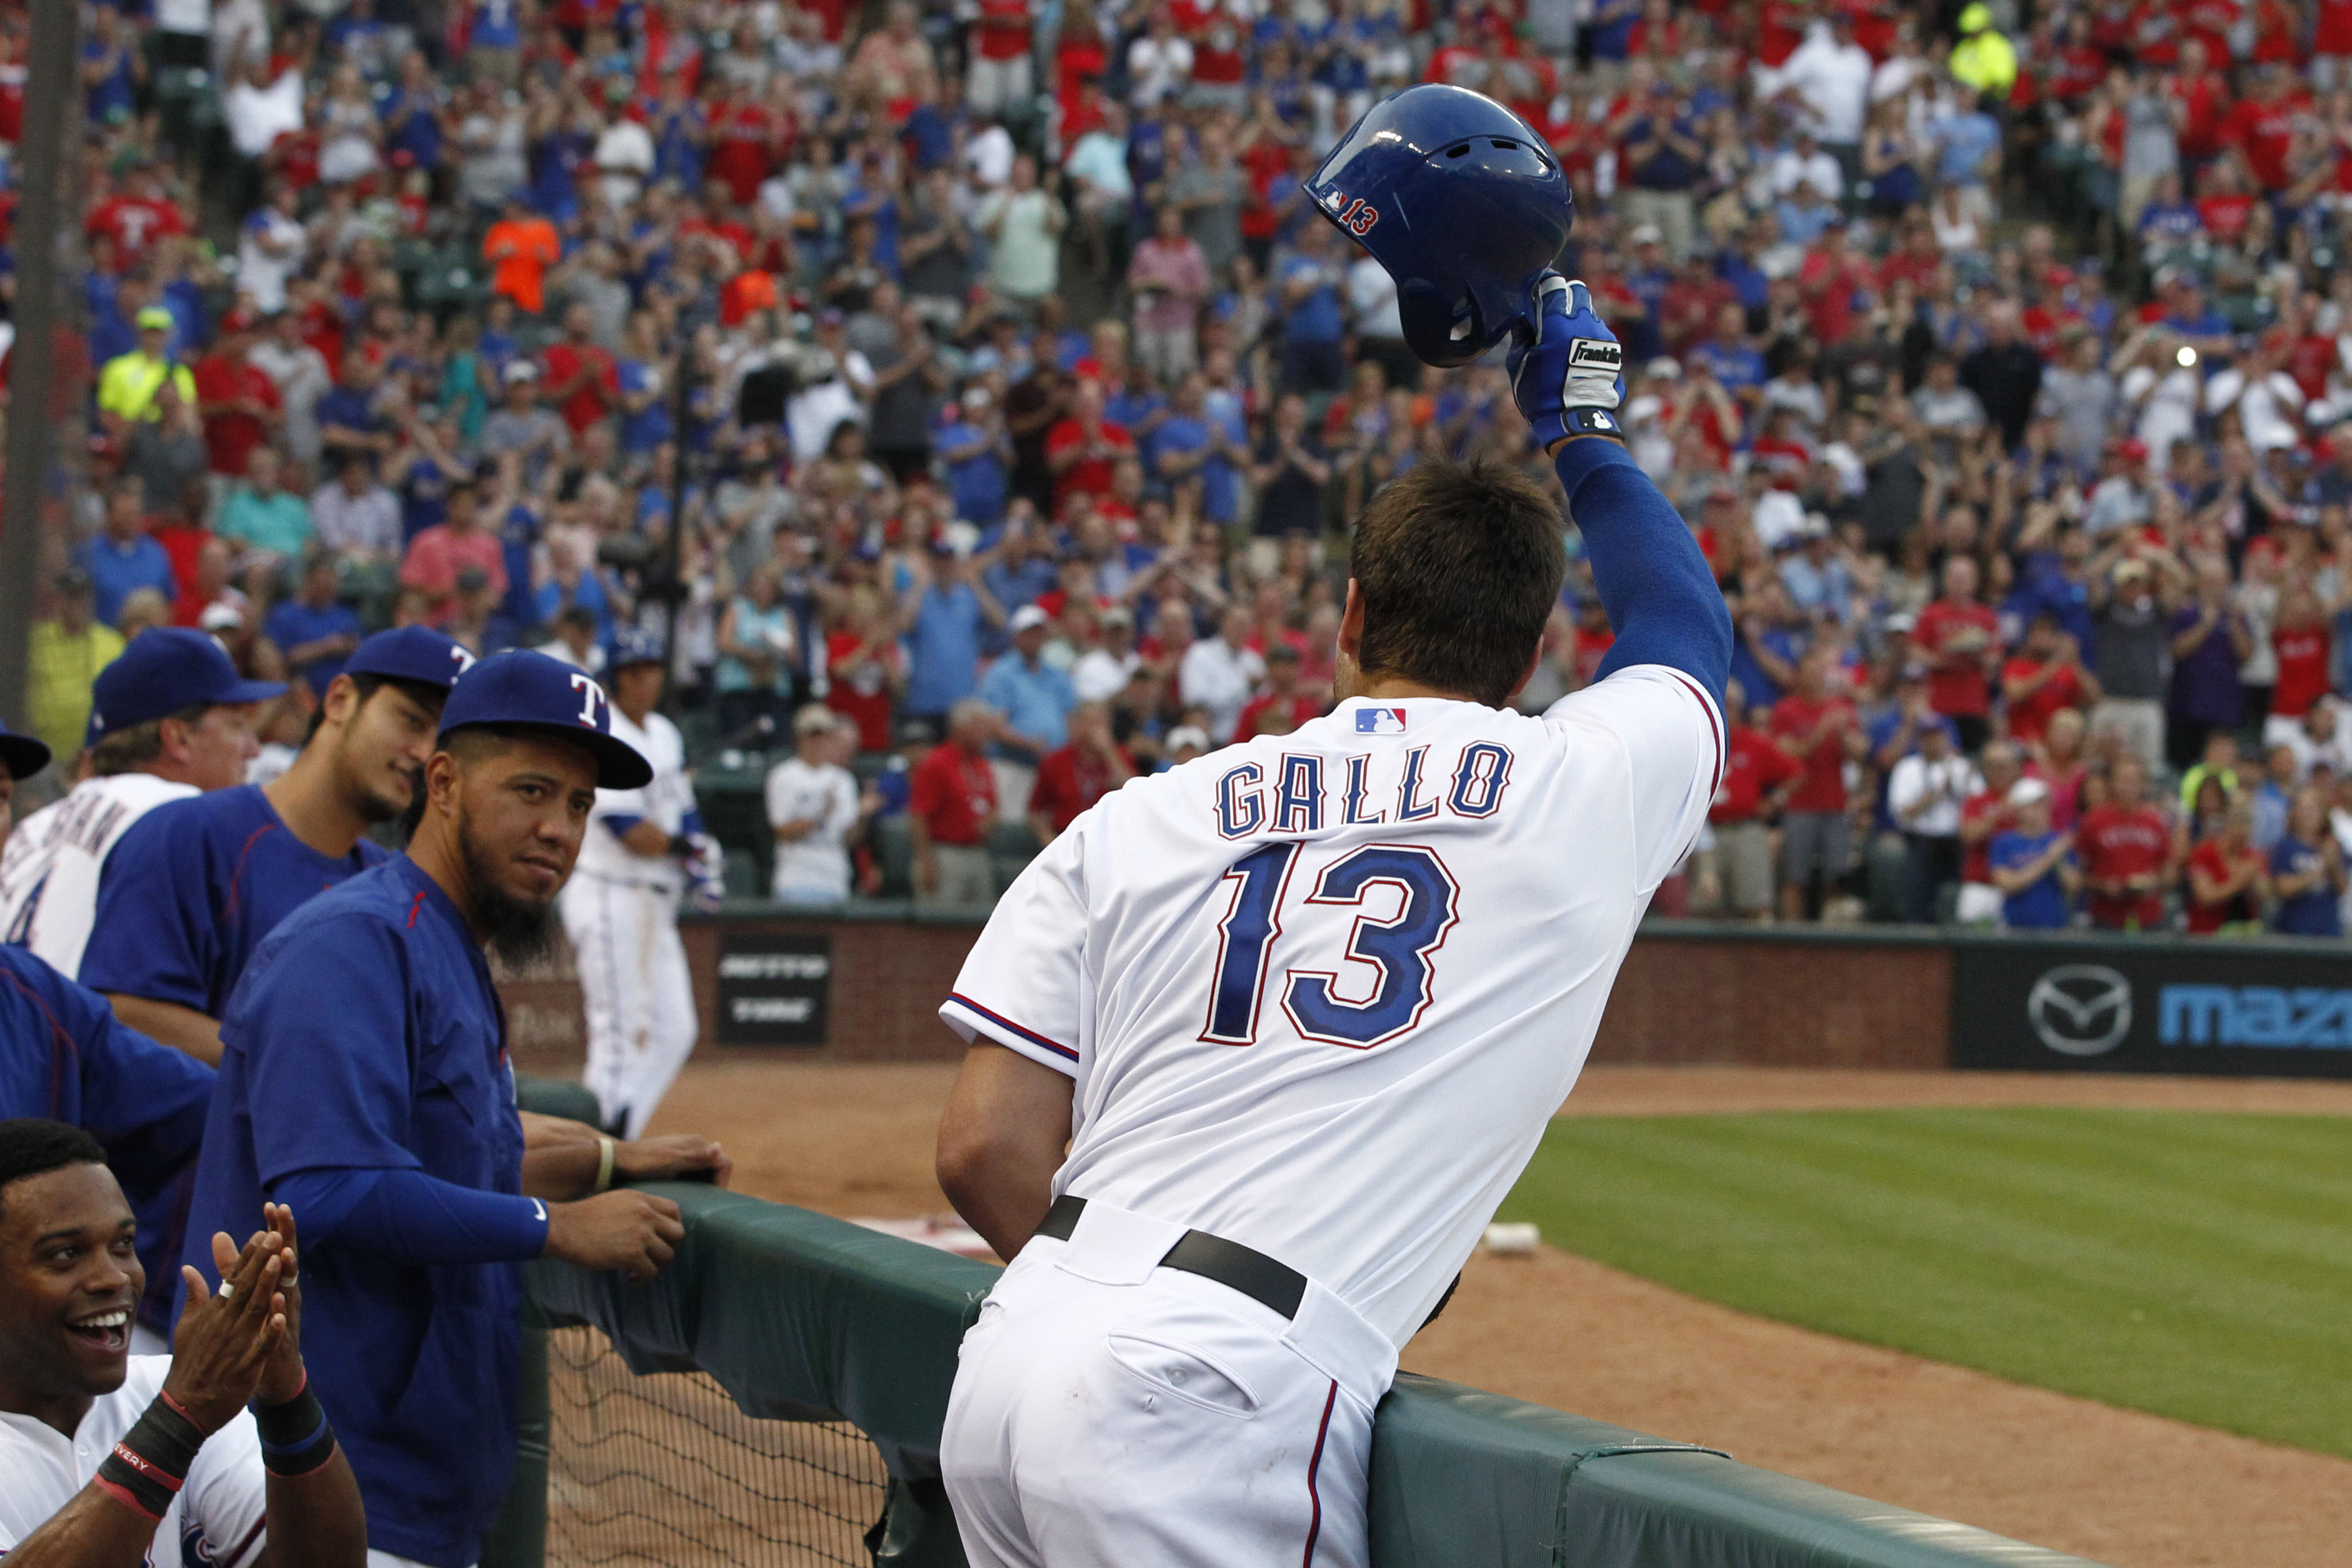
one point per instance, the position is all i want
(2034, 868)
(1033, 702)
(812, 807)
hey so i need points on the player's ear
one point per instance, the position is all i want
(1351, 625)
(342, 701)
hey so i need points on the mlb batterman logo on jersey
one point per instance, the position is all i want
(1379, 721)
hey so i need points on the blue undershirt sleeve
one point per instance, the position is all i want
(619, 823)
(412, 1217)
(1661, 599)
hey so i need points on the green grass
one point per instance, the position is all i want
(2197, 1266)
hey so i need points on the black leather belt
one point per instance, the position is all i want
(1275, 1286)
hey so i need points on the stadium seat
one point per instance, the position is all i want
(1011, 846)
(893, 845)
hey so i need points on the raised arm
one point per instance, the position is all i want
(1661, 597)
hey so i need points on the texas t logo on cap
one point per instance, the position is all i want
(1379, 721)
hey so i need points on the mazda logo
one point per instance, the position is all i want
(2080, 1009)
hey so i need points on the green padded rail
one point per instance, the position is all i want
(802, 1317)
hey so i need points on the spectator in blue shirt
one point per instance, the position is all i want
(2033, 867)
(1032, 700)
(121, 559)
(1023, 565)
(1731, 358)
(1315, 314)
(943, 620)
(315, 630)
(2307, 871)
(977, 452)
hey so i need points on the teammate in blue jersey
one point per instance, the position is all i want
(64, 1056)
(190, 892)
(373, 1017)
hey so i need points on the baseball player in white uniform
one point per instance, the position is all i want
(170, 718)
(644, 850)
(1300, 1010)
(111, 1457)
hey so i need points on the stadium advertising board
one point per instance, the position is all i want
(2264, 1010)
(773, 990)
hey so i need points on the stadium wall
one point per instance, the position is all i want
(865, 988)
(803, 1318)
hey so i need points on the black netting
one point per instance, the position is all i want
(664, 1471)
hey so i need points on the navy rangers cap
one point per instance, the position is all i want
(415, 654)
(165, 669)
(522, 689)
(634, 645)
(22, 755)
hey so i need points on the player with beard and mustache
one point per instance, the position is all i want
(375, 1016)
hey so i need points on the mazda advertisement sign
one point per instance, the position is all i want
(2269, 1009)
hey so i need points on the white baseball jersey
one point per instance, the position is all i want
(817, 862)
(1321, 992)
(49, 872)
(664, 803)
(216, 1520)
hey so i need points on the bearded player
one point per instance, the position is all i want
(1258, 1045)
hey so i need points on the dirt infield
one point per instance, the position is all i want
(2123, 1487)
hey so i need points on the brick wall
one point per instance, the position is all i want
(1760, 1001)
(1685, 996)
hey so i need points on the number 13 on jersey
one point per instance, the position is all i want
(1402, 948)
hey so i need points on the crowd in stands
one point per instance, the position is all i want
(977, 374)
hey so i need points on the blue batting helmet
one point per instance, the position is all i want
(1460, 200)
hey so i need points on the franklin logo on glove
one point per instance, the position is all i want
(1596, 352)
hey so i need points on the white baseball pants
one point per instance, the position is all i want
(636, 990)
(1108, 1412)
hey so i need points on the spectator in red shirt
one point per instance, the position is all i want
(2047, 675)
(2228, 877)
(1282, 706)
(240, 404)
(2302, 640)
(2127, 853)
(1081, 450)
(1960, 639)
(1077, 775)
(865, 668)
(1736, 874)
(2262, 125)
(1815, 725)
(438, 554)
(137, 218)
(1984, 817)
(584, 382)
(951, 802)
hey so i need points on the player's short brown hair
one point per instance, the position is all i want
(1458, 565)
(131, 749)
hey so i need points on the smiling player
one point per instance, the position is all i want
(109, 1460)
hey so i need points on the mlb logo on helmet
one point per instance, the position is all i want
(1379, 721)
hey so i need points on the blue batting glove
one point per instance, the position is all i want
(1569, 379)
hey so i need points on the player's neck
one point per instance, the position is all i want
(1396, 689)
(61, 1413)
(635, 716)
(314, 810)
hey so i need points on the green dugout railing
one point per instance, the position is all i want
(803, 1317)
